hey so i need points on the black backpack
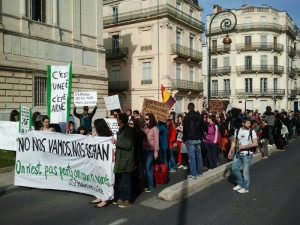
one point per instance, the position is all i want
(249, 138)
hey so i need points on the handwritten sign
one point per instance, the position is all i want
(9, 132)
(113, 126)
(59, 85)
(158, 109)
(25, 120)
(112, 102)
(85, 98)
(66, 162)
(216, 106)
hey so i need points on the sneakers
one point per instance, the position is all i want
(149, 190)
(243, 190)
(172, 170)
(190, 177)
(199, 175)
(236, 188)
(125, 204)
(119, 202)
(180, 166)
(185, 167)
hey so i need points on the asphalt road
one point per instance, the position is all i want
(274, 198)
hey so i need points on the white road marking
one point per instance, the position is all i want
(118, 222)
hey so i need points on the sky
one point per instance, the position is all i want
(291, 6)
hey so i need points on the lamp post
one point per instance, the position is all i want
(226, 26)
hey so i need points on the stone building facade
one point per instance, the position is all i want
(149, 43)
(257, 69)
(34, 34)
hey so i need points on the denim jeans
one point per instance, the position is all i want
(171, 161)
(163, 155)
(238, 160)
(294, 132)
(195, 157)
(212, 154)
(123, 187)
(148, 157)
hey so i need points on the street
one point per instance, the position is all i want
(274, 198)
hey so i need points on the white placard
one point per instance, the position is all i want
(85, 98)
(113, 126)
(9, 132)
(25, 120)
(66, 162)
(112, 102)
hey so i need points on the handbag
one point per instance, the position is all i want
(183, 148)
(284, 129)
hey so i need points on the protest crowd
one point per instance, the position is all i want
(147, 150)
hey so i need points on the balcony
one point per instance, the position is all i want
(292, 52)
(216, 93)
(259, 92)
(292, 72)
(260, 46)
(186, 85)
(146, 81)
(116, 53)
(186, 53)
(157, 11)
(298, 91)
(221, 70)
(260, 69)
(293, 93)
(118, 85)
(220, 50)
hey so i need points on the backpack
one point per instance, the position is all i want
(249, 138)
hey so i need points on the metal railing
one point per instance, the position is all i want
(118, 85)
(221, 70)
(292, 51)
(146, 81)
(216, 93)
(298, 91)
(260, 69)
(261, 92)
(220, 49)
(293, 93)
(187, 85)
(152, 12)
(186, 52)
(116, 53)
(292, 71)
(262, 46)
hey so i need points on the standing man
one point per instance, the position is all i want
(86, 117)
(124, 162)
(244, 144)
(192, 135)
(270, 117)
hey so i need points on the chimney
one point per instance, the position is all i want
(217, 9)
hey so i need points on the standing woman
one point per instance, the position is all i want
(14, 116)
(171, 140)
(102, 130)
(210, 141)
(151, 148)
(46, 124)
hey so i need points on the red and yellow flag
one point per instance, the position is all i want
(166, 97)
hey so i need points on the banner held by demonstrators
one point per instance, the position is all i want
(9, 132)
(158, 109)
(66, 162)
(112, 102)
(113, 126)
(216, 106)
(25, 119)
(59, 85)
(85, 98)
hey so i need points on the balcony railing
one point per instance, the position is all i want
(118, 85)
(292, 72)
(261, 46)
(221, 70)
(260, 69)
(186, 52)
(293, 93)
(187, 85)
(216, 93)
(261, 92)
(116, 53)
(220, 49)
(165, 9)
(292, 51)
(298, 91)
(146, 81)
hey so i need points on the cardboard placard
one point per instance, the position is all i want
(112, 102)
(216, 106)
(158, 109)
(85, 98)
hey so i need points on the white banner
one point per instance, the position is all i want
(9, 132)
(66, 162)
(59, 93)
(85, 98)
(112, 102)
(113, 126)
(25, 120)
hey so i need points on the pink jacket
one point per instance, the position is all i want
(212, 134)
(152, 141)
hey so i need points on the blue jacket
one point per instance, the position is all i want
(163, 135)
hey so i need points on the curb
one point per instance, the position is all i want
(186, 187)
(7, 169)
(11, 189)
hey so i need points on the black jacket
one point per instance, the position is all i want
(193, 126)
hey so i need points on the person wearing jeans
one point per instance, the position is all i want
(210, 142)
(239, 159)
(192, 135)
(171, 139)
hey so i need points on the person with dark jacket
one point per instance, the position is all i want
(86, 117)
(277, 132)
(293, 123)
(270, 117)
(124, 162)
(265, 138)
(192, 135)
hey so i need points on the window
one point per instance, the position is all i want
(192, 100)
(115, 43)
(275, 42)
(214, 63)
(248, 85)
(275, 63)
(214, 45)
(264, 62)
(40, 91)
(178, 105)
(263, 41)
(263, 85)
(191, 73)
(226, 62)
(191, 15)
(178, 71)
(178, 37)
(248, 62)
(115, 13)
(248, 41)
(147, 76)
(227, 86)
(214, 87)
(275, 20)
(178, 12)
(275, 84)
(115, 73)
(37, 10)
(191, 42)
(248, 22)
(263, 20)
